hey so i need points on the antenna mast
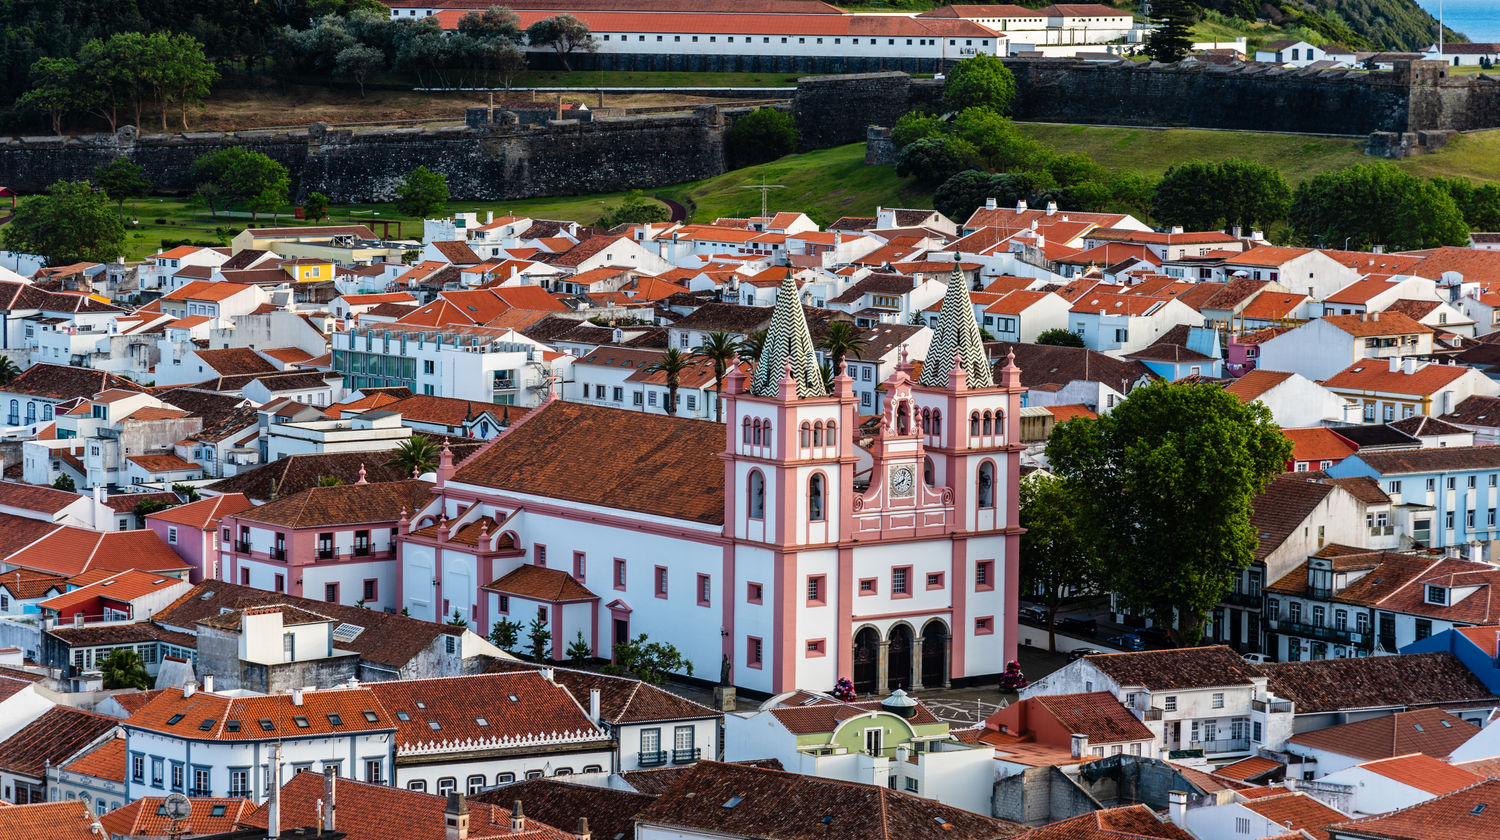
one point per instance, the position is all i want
(764, 192)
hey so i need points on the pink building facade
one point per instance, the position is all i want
(794, 556)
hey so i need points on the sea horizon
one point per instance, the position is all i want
(1478, 20)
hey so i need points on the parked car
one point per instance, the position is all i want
(1078, 626)
(1127, 641)
(1033, 614)
(1257, 658)
(1078, 653)
(1155, 636)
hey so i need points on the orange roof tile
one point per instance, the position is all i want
(106, 761)
(117, 586)
(72, 820)
(144, 817)
(1265, 256)
(1423, 772)
(207, 290)
(1319, 443)
(206, 716)
(69, 551)
(1471, 812)
(1375, 375)
(542, 584)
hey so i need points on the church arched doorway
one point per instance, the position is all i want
(934, 655)
(866, 661)
(898, 658)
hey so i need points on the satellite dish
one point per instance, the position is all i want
(177, 807)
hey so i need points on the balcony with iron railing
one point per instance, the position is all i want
(1338, 635)
(653, 759)
(234, 793)
(1244, 599)
(1271, 706)
(197, 791)
(1382, 530)
(686, 756)
(1222, 745)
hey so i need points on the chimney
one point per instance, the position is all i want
(1408, 366)
(188, 690)
(1021, 206)
(1177, 807)
(1377, 249)
(273, 796)
(296, 697)
(456, 818)
(1395, 364)
(1052, 208)
(1080, 744)
(594, 705)
(989, 204)
(489, 217)
(329, 809)
(1177, 228)
(208, 683)
(1374, 316)
(1476, 552)
(583, 829)
(517, 818)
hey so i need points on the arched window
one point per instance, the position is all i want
(926, 421)
(937, 421)
(974, 424)
(829, 438)
(987, 484)
(31, 412)
(986, 422)
(15, 412)
(805, 434)
(815, 498)
(929, 472)
(746, 425)
(765, 431)
(818, 433)
(47, 411)
(755, 432)
(504, 778)
(757, 495)
(903, 417)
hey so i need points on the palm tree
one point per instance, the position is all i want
(8, 370)
(722, 349)
(672, 363)
(123, 668)
(750, 348)
(841, 339)
(825, 370)
(415, 454)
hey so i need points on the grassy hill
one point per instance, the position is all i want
(830, 183)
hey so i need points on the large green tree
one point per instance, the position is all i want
(760, 136)
(933, 160)
(122, 179)
(238, 175)
(1479, 203)
(1201, 195)
(1375, 204)
(981, 81)
(1174, 38)
(123, 668)
(648, 661)
(565, 34)
(422, 193)
(1164, 483)
(70, 223)
(1057, 562)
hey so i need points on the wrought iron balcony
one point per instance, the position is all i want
(1223, 745)
(1272, 706)
(685, 756)
(1337, 635)
(1244, 599)
(654, 759)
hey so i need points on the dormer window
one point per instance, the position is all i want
(1437, 595)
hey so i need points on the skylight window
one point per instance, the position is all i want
(482, 721)
(300, 721)
(232, 726)
(403, 716)
(266, 725)
(434, 724)
(733, 801)
(513, 698)
(207, 724)
(218, 810)
(334, 719)
(174, 719)
(371, 716)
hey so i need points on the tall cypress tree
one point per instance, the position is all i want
(1174, 39)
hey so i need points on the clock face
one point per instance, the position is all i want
(903, 480)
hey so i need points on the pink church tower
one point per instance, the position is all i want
(893, 564)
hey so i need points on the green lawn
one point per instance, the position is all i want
(830, 183)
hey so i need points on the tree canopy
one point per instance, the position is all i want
(1199, 195)
(1056, 560)
(1164, 483)
(633, 209)
(122, 179)
(1375, 204)
(422, 193)
(71, 223)
(1174, 39)
(565, 34)
(980, 81)
(237, 175)
(758, 137)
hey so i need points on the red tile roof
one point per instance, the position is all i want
(208, 717)
(69, 551)
(1098, 715)
(72, 820)
(666, 466)
(621, 699)
(1432, 732)
(1423, 772)
(106, 761)
(1376, 324)
(207, 290)
(1249, 768)
(58, 734)
(1296, 811)
(117, 586)
(498, 710)
(1256, 383)
(1131, 822)
(368, 811)
(145, 818)
(1472, 812)
(35, 497)
(542, 584)
(343, 504)
(1374, 375)
(1319, 443)
(163, 463)
(205, 513)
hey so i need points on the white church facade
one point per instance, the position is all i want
(790, 545)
